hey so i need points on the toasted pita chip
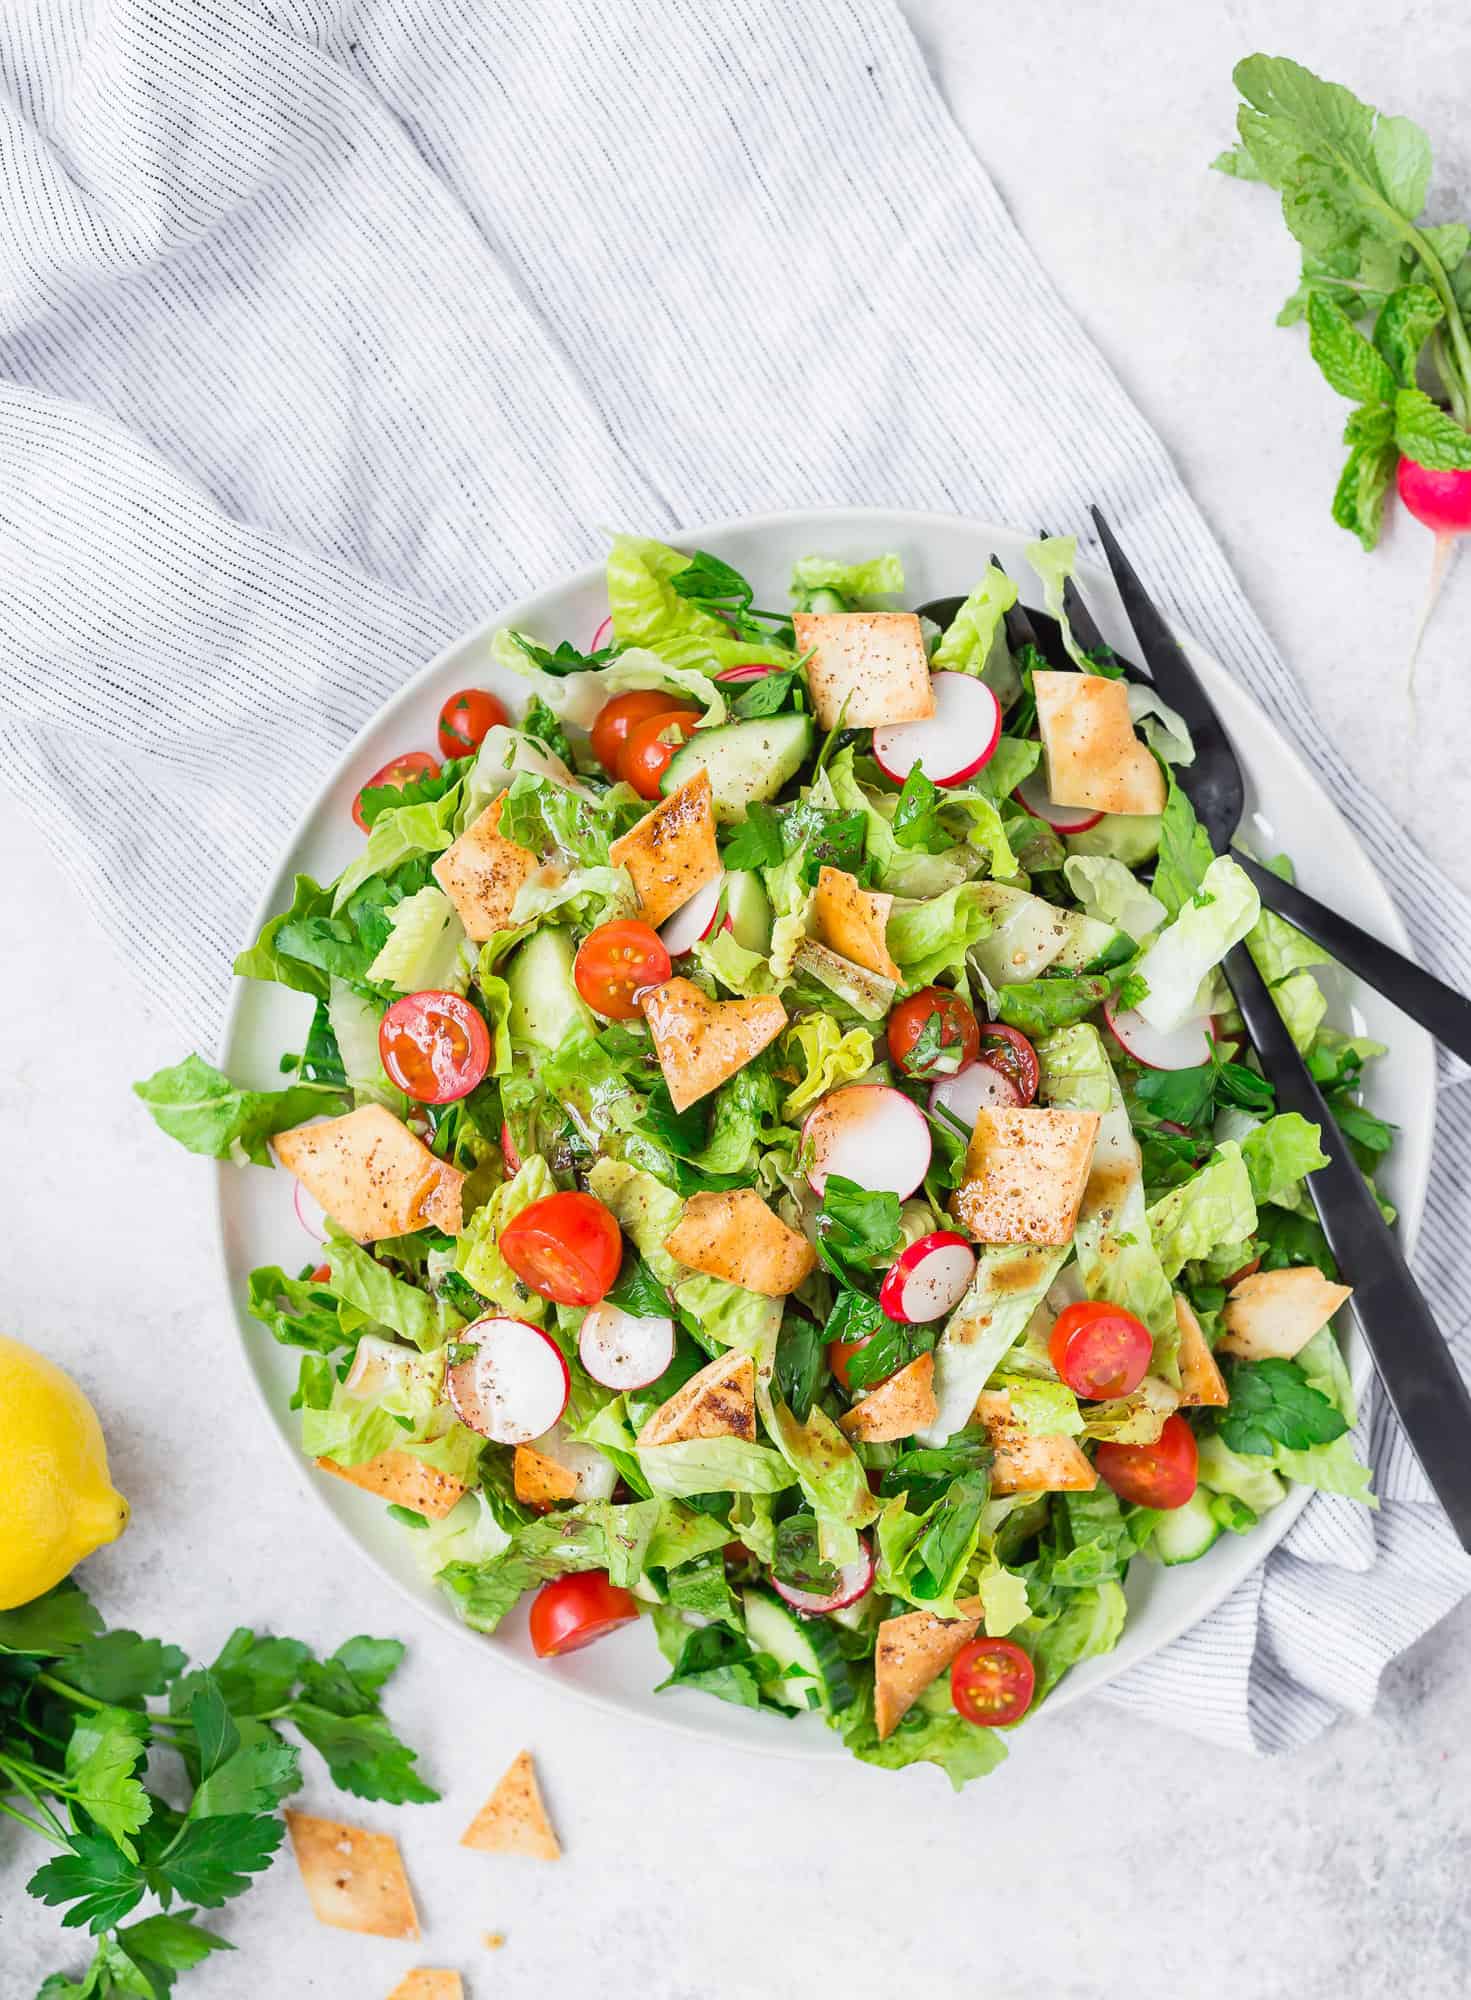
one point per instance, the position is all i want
(718, 1402)
(909, 1653)
(853, 921)
(425, 1983)
(371, 1175)
(1202, 1384)
(1093, 757)
(540, 1481)
(1027, 1464)
(1025, 1172)
(735, 1235)
(355, 1879)
(482, 874)
(1272, 1315)
(869, 667)
(513, 1819)
(671, 851)
(700, 1042)
(404, 1481)
(901, 1405)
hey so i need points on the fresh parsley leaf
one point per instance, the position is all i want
(948, 1534)
(924, 1473)
(1285, 1239)
(215, 1734)
(254, 1779)
(800, 1363)
(210, 1860)
(757, 841)
(1273, 1403)
(917, 814)
(722, 1663)
(255, 1673)
(119, 1667)
(855, 1225)
(638, 1291)
(564, 658)
(57, 1623)
(169, 1942)
(363, 1754)
(1236, 1084)
(706, 579)
(1179, 1096)
(540, 722)
(887, 1344)
(96, 1878)
(105, 1749)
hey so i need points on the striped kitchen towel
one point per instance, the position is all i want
(328, 325)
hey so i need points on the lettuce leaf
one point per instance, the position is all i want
(477, 1254)
(966, 645)
(713, 1465)
(880, 576)
(425, 948)
(1009, 1284)
(826, 1057)
(1110, 892)
(1219, 915)
(932, 937)
(1278, 1153)
(649, 612)
(928, 1734)
(201, 1108)
(1088, 1622)
(396, 837)
(384, 1300)
(1214, 1206)
(833, 1480)
(903, 871)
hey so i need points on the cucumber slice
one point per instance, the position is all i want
(1185, 1533)
(815, 1674)
(1091, 942)
(746, 761)
(1026, 937)
(749, 908)
(545, 1006)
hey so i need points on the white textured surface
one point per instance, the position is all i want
(1108, 1855)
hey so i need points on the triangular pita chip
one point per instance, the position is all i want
(734, 1235)
(355, 1878)
(1025, 1173)
(513, 1819)
(868, 667)
(372, 1175)
(718, 1402)
(671, 851)
(1272, 1315)
(852, 921)
(901, 1405)
(1202, 1385)
(404, 1481)
(1027, 1464)
(1094, 759)
(482, 874)
(539, 1481)
(909, 1653)
(426, 1983)
(700, 1042)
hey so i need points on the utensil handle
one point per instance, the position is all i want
(1410, 1353)
(1416, 992)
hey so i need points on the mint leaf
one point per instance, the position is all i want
(1406, 321)
(1350, 363)
(765, 696)
(1426, 433)
(1273, 1403)
(1363, 487)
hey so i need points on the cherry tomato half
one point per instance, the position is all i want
(650, 748)
(322, 1273)
(839, 1354)
(565, 1246)
(1008, 1050)
(957, 1028)
(434, 1046)
(572, 1611)
(1247, 1271)
(412, 764)
(992, 1682)
(1100, 1350)
(616, 717)
(1161, 1474)
(617, 963)
(467, 718)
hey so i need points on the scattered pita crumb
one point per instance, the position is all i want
(355, 1879)
(513, 1819)
(426, 1983)
(493, 1940)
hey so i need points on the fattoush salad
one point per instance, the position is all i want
(785, 1162)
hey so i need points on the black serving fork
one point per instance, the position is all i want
(1414, 1363)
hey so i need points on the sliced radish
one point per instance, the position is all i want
(855, 1580)
(952, 744)
(596, 1476)
(693, 920)
(1185, 1047)
(753, 670)
(508, 1150)
(929, 1279)
(623, 1350)
(310, 1214)
(980, 1086)
(514, 1386)
(603, 634)
(1032, 793)
(871, 1134)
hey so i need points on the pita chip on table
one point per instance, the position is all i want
(429, 1983)
(513, 1819)
(354, 1878)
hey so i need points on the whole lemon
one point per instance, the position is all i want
(57, 1503)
